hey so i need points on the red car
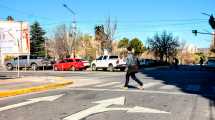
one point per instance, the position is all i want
(69, 64)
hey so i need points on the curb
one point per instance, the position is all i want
(34, 89)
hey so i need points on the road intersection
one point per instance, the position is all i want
(168, 95)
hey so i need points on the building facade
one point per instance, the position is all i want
(14, 38)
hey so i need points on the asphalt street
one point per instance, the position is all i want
(169, 94)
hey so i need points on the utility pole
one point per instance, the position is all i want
(74, 29)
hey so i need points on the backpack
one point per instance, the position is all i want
(133, 63)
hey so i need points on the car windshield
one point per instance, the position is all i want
(113, 57)
(99, 58)
(69, 60)
(78, 60)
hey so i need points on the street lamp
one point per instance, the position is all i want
(73, 28)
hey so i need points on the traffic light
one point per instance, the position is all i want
(212, 22)
(195, 32)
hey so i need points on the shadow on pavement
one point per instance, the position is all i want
(189, 79)
(2, 77)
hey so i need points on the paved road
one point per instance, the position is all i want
(184, 94)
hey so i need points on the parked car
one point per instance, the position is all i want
(108, 63)
(69, 64)
(210, 64)
(28, 61)
(147, 62)
(86, 63)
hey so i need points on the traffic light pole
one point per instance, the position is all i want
(196, 32)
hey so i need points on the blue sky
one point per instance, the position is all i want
(135, 18)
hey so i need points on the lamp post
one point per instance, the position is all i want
(73, 29)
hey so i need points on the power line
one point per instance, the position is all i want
(24, 12)
(125, 24)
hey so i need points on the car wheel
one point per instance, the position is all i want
(110, 68)
(122, 69)
(34, 66)
(94, 67)
(104, 69)
(9, 67)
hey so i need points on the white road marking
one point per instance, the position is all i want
(168, 87)
(138, 91)
(31, 101)
(193, 87)
(102, 107)
(118, 86)
(84, 82)
(107, 84)
(148, 85)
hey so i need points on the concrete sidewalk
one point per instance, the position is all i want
(24, 85)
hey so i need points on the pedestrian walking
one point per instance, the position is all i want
(176, 63)
(201, 63)
(133, 66)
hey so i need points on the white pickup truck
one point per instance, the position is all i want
(108, 63)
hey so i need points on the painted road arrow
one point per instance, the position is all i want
(31, 101)
(102, 107)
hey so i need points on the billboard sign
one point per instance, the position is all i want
(14, 37)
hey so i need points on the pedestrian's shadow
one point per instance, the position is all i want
(2, 77)
(201, 83)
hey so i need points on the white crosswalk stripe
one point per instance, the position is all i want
(148, 85)
(193, 87)
(118, 86)
(158, 85)
(107, 84)
(168, 87)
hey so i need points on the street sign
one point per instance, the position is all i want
(103, 107)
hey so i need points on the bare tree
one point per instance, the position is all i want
(60, 41)
(181, 50)
(87, 47)
(73, 41)
(104, 34)
(164, 45)
(50, 47)
(110, 30)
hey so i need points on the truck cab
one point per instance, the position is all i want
(108, 62)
